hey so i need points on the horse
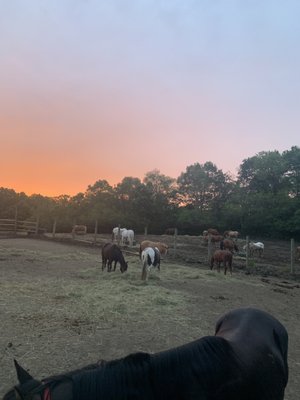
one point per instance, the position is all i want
(211, 231)
(79, 230)
(150, 258)
(213, 238)
(228, 244)
(111, 252)
(246, 358)
(255, 247)
(127, 237)
(222, 256)
(170, 231)
(231, 234)
(162, 247)
(115, 233)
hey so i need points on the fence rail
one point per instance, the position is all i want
(15, 226)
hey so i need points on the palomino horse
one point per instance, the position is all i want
(246, 359)
(162, 247)
(112, 253)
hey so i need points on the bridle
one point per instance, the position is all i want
(41, 389)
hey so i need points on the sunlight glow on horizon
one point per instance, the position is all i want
(105, 90)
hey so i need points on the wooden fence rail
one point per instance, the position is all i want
(15, 226)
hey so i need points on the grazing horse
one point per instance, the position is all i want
(162, 247)
(115, 233)
(231, 234)
(213, 238)
(111, 252)
(211, 231)
(257, 247)
(228, 244)
(127, 237)
(79, 230)
(222, 256)
(150, 258)
(246, 359)
(170, 231)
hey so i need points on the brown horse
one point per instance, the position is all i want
(231, 234)
(111, 252)
(228, 244)
(211, 231)
(213, 238)
(222, 256)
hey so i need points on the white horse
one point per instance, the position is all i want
(115, 233)
(127, 237)
(255, 247)
(150, 258)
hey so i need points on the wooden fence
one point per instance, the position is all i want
(13, 226)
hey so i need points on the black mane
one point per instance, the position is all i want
(207, 365)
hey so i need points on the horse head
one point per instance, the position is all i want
(124, 267)
(28, 387)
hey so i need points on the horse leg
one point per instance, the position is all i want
(115, 265)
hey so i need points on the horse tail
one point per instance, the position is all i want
(144, 257)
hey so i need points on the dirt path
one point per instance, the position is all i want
(60, 311)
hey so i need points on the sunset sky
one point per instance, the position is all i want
(103, 89)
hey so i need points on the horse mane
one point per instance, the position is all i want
(208, 364)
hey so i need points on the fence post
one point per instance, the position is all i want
(16, 220)
(54, 228)
(119, 235)
(292, 255)
(175, 240)
(96, 231)
(37, 225)
(247, 252)
(146, 231)
(209, 247)
(73, 230)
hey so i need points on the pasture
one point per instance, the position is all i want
(60, 311)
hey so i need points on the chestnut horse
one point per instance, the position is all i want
(222, 256)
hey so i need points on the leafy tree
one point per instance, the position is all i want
(203, 186)
(292, 169)
(264, 172)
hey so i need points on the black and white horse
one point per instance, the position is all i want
(150, 258)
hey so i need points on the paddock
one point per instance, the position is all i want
(60, 311)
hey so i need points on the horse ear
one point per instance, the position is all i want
(22, 374)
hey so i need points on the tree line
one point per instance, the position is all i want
(262, 201)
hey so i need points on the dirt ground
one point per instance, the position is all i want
(60, 311)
